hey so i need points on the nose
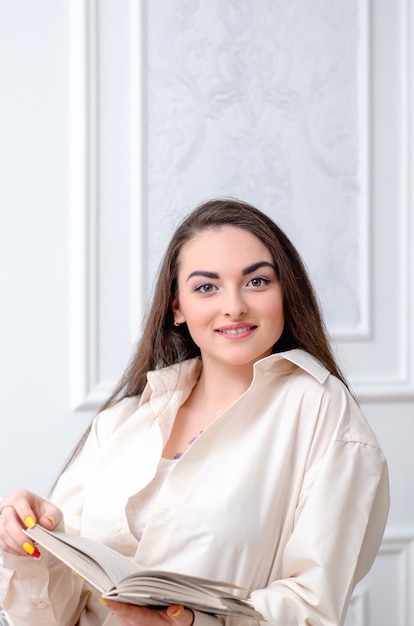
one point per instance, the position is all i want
(234, 305)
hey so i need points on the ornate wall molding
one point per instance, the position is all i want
(385, 596)
(398, 547)
(275, 110)
(188, 124)
(358, 609)
(83, 190)
(89, 387)
(386, 357)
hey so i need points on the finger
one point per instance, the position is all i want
(175, 615)
(123, 610)
(5, 507)
(132, 614)
(179, 615)
(49, 515)
(45, 513)
(24, 504)
(24, 509)
(174, 610)
(34, 509)
(12, 536)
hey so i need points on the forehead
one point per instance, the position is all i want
(223, 246)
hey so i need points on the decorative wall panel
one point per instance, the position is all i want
(297, 107)
(385, 596)
(358, 609)
(383, 363)
(302, 108)
(106, 233)
(268, 102)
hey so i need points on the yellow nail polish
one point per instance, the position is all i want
(28, 548)
(34, 552)
(103, 601)
(51, 520)
(30, 522)
(176, 613)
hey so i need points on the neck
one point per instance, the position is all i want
(222, 385)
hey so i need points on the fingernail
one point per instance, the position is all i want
(176, 613)
(103, 601)
(30, 522)
(51, 520)
(27, 547)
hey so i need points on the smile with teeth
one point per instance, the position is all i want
(235, 331)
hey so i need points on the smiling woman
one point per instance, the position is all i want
(233, 307)
(231, 449)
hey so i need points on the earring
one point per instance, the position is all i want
(177, 323)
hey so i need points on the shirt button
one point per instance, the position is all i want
(41, 604)
(118, 527)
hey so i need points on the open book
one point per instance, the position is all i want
(118, 577)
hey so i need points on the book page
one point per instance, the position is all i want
(97, 563)
(118, 577)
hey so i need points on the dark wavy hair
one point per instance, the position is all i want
(163, 344)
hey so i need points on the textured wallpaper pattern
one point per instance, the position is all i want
(262, 100)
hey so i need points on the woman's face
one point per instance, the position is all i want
(229, 296)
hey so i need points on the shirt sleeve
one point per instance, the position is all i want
(41, 592)
(44, 591)
(336, 536)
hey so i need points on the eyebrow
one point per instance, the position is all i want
(256, 266)
(247, 270)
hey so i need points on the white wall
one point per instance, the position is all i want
(37, 425)
(117, 116)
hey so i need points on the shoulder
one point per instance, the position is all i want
(162, 383)
(108, 421)
(294, 364)
(322, 397)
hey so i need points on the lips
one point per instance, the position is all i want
(236, 329)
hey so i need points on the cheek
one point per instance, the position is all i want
(274, 308)
(196, 315)
(198, 318)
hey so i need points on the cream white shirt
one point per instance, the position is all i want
(285, 494)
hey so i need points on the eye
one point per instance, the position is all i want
(258, 281)
(206, 288)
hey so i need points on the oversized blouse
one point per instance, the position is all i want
(285, 494)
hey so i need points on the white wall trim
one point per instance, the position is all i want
(358, 608)
(138, 174)
(364, 330)
(400, 541)
(86, 390)
(401, 386)
(365, 206)
(83, 192)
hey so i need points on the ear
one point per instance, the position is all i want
(178, 315)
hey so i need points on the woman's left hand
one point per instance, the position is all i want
(130, 615)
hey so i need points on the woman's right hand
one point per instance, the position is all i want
(19, 510)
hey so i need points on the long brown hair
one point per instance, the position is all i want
(164, 344)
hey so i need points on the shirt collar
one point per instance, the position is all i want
(298, 357)
(183, 376)
(175, 377)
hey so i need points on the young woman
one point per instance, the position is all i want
(231, 449)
